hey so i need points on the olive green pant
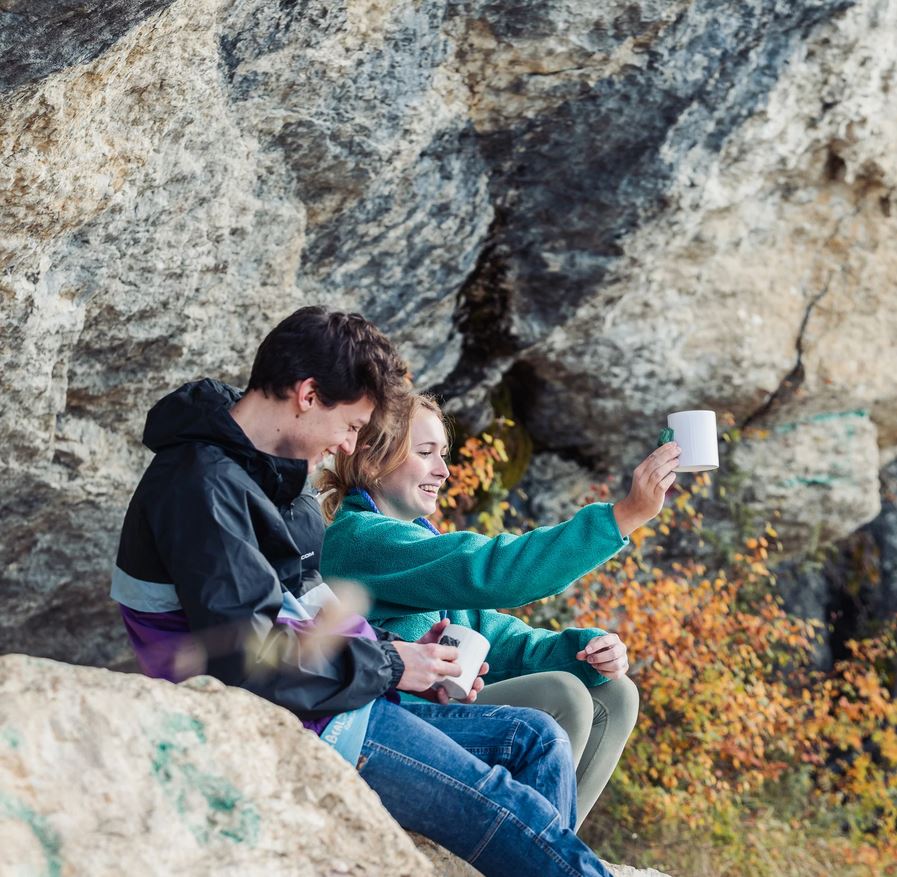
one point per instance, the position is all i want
(597, 720)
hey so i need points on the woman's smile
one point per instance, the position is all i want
(411, 490)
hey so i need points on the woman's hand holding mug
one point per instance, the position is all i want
(652, 478)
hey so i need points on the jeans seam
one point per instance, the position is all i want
(544, 747)
(537, 839)
(556, 817)
(500, 817)
(504, 752)
(513, 735)
(451, 781)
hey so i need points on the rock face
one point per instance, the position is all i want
(821, 473)
(851, 588)
(108, 773)
(883, 531)
(609, 213)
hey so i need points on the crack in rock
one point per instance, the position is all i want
(792, 382)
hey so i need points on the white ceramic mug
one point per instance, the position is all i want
(472, 650)
(695, 433)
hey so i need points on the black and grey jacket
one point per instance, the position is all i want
(224, 537)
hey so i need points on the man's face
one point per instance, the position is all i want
(320, 430)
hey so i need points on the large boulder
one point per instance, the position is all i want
(107, 773)
(607, 212)
(821, 474)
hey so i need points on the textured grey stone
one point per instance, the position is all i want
(808, 593)
(883, 600)
(820, 473)
(613, 212)
(39, 37)
(629, 871)
(555, 488)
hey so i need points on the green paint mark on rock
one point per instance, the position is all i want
(177, 723)
(826, 417)
(209, 804)
(813, 481)
(10, 737)
(48, 839)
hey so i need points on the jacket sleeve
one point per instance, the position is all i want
(408, 569)
(232, 596)
(518, 649)
(388, 636)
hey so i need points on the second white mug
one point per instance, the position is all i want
(695, 433)
(472, 650)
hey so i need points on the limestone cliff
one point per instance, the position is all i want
(609, 211)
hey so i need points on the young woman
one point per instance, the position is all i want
(379, 499)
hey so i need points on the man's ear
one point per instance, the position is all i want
(305, 394)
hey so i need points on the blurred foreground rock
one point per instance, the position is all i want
(106, 773)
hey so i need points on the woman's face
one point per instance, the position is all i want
(411, 491)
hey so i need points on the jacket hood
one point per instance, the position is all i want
(200, 412)
(196, 412)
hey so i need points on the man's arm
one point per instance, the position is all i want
(232, 596)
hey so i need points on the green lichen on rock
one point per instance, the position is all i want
(50, 843)
(10, 737)
(210, 805)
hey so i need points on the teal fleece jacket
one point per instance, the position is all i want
(412, 573)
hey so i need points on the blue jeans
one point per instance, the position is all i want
(493, 784)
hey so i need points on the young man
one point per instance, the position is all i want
(217, 573)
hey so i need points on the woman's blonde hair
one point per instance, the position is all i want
(381, 448)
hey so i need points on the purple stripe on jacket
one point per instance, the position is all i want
(165, 648)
